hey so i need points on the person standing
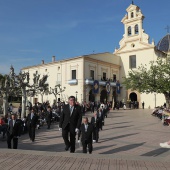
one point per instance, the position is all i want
(143, 105)
(86, 133)
(48, 117)
(70, 122)
(101, 118)
(31, 124)
(13, 132)
(95, 122)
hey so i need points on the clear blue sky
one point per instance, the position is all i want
(32, 30)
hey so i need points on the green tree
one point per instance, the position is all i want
(155, 79)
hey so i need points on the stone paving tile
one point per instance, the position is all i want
(131, 133)
(41, 161)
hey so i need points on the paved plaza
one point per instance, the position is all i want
(129, 140)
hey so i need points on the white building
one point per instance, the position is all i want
(135, 49)
(78, 74)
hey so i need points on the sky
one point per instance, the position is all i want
(35, 30)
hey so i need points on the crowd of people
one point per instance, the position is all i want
(163, 114)
(12, 126)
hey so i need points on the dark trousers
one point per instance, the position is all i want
(101, 123)
(31, 131)
(96, 134)
(69, 132)
(48, 124)
(85, 144)
(92, 109)
(15, 142)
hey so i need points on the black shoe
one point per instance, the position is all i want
(67, 147)
(72, 151)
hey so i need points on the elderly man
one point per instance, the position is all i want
(86, 133)
(95, 121)
(32, 120)
(70, 122)
(13, 131)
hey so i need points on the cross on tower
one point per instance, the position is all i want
(167, 28)
(132, 2)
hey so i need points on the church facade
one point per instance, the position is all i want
(135, 49)
(79, 74)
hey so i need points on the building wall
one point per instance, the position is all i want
(138, 45)
(59, 73)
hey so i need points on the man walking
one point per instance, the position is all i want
(70, 122)
(95, 122)
(48, 117)
(86, 133)
(13, 132)
(143, 105)
(32, 120)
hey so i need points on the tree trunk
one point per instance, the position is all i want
(5, 104)
(23, 102)
(167, 98)
(41, 97)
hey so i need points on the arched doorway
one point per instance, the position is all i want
(133, 96)
(91, 96)
(103, 96)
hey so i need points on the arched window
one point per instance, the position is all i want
(132, 15)
(136, 29)
(129, 31)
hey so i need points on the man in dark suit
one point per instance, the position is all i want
(13, 131)
(101, 118)
(83, 109)
(70, 122)
(86, 133)
(48, 117)
(95, 121)
(32, 120)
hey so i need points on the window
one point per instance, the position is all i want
(114, 77)
(132, 15)
(129, 31)
(92, 74)
(136, 29)
(104, 76)
(73, 74)
(132, 61)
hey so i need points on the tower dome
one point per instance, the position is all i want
(164, 44)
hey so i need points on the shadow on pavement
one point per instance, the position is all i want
(123, 148)
(156, 152)
(117, 137)
(118, 127)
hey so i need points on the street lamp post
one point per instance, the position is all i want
(76, 96)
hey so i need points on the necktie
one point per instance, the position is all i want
(71, 110)
(86, 128)
(13, 123)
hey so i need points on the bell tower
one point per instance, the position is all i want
(133, 26)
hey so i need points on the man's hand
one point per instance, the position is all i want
(77, 130)
(78, 141)
(60, 129)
